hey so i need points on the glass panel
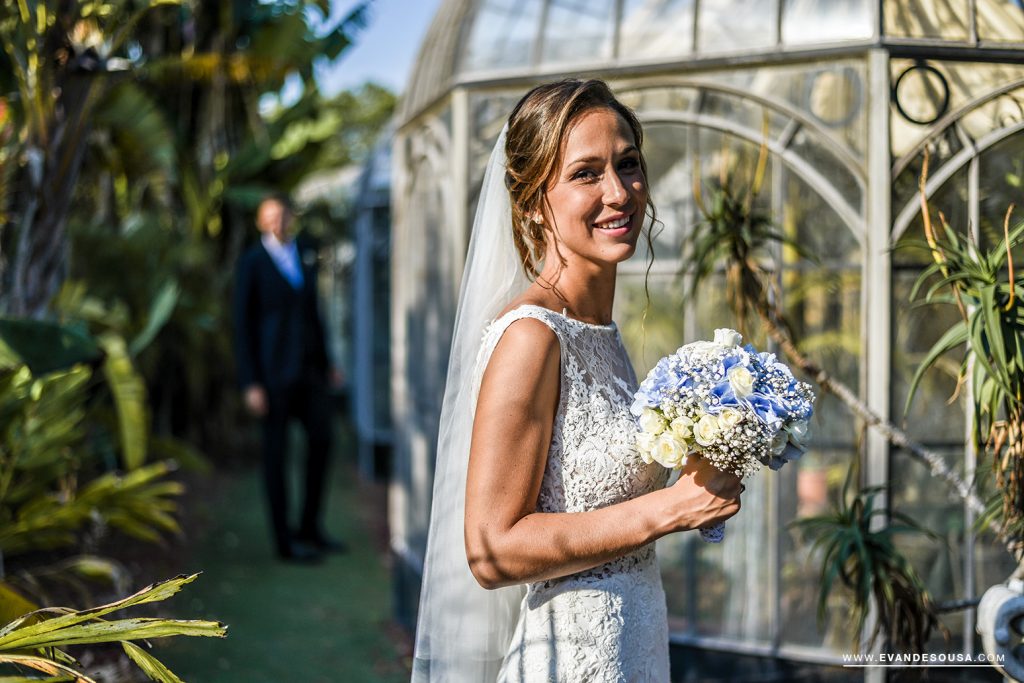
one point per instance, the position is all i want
(823, 306)
(931, 418)
(823, 21)
(992, 561)
(502, 34)
(905, 188)
(748, 113)
(833, 171)
(1000, 20)
(916, 493)
(811, 222)
(950, 201)
(808, 487)
(965, 83)
(659, 99)
(658, 333)
(733, 598)
(579, 30)
(488, 112)
(830, 93)
(670, 166)
(944, 19)
(1001, 183)
(656, 29)
(728, 25)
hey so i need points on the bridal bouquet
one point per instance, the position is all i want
(737, 408)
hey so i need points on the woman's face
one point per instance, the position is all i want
(594, 206)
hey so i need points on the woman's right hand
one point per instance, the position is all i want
(704, 495)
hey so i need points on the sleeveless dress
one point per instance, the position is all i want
(607, 624)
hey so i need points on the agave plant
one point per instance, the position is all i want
(866, 561)
(982, 285)
(37, 640)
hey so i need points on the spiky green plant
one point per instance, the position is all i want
(37, 640)
(982, 285)
(866, 561)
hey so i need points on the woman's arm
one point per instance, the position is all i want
(507, 541)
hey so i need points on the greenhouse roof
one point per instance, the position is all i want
(485, 40)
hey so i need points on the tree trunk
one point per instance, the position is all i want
(40, 258)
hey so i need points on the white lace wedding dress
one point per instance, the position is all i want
(606, 624)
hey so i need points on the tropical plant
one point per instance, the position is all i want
(58, 451)
(982, 285)
(59, 59)
(856, 539)
(37, 640)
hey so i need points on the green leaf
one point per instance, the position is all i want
(159, 313)
(102, 631)
(149, 664)
(954, 336)
(129, 391)
(157, 592)
(13, 604)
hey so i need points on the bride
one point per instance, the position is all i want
(540, 562)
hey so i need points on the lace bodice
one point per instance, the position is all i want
(599, 620)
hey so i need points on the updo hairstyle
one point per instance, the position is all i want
(533, 144)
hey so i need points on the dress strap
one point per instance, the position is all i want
(496, 329)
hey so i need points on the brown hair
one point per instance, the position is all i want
(533, 144)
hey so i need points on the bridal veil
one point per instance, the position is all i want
(462, 629)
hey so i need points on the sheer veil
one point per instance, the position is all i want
(462, 629)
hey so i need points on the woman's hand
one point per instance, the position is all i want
(703, 496)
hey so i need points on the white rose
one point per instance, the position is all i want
(779, 442)
(682, 428)
(799, 431)
(651, 422)
(668, 451)
(706, 430)
(644, 445)
(729, 418)
(699, 348)
(741, 380)
(727, 337)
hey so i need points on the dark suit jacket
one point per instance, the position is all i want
(279, 335)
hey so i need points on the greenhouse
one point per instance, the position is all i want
(848, 97)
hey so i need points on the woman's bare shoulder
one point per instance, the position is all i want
(528, 298)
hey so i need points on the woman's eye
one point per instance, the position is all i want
(629, 164)
(584, 174)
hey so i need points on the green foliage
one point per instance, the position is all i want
(981, 283)
(51, 484)
(35, 640)
(867, 562)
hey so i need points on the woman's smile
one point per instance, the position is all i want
(616, 226)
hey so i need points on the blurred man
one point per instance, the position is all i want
(283, 371)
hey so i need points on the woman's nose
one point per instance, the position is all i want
(615, 193)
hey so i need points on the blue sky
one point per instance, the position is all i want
(385, 51)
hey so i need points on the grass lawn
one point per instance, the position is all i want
(330, 622)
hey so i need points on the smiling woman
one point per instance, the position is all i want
(538, 430)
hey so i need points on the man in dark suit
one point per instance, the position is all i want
(283, 370)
